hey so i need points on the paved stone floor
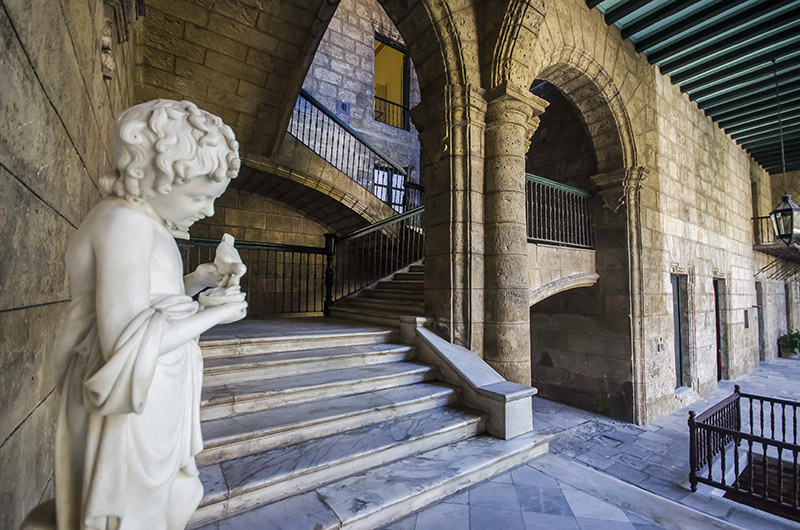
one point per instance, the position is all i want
(653, 457)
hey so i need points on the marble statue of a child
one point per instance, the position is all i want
(127, 363)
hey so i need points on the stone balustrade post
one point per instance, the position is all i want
(511, 119)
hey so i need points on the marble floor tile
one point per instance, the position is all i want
(601, 524)
(586, 506)
(495, 495)
(532, 477)
(547, 499)
(545, 521)
(486, 518)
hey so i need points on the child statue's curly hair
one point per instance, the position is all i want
(188, 142)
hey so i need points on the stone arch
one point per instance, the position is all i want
(600, 107)
(573, 281)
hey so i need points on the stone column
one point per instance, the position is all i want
(511, 119)
(451, 130)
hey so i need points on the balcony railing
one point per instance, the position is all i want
(755, 463)
(763, 233)
(287, 279)
(391, 113)
(326, 134)
(280, 279)
(557, 214)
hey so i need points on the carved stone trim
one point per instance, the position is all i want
(616, 186)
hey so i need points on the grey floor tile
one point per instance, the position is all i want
(407, 523)
(532, 477)
(539, 499)
(505, 478)
(443, 516)
(588, 507)
(544, 521)
(485, 518)
(462, 497)
(495, 495)
(599, 524)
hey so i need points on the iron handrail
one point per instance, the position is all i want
(557, 185)
(381, 224)
(259, 245)
(392, 102)
(326, 111)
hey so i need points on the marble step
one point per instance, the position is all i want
(417, 276)
(234, 486)
(228, 438)
(241, 368)
(401, 285)
(417, 268)
(241, 398)
(373, 316)
(344, 336)
(391, 296)
(376, 497)
(407, 308)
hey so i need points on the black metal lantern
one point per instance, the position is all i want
(786, 220)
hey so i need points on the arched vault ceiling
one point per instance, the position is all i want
(721, 53)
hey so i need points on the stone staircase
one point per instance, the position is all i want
(402, 294)
(322, 424)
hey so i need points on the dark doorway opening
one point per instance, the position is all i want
(680, 315)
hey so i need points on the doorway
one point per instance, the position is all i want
(720, 319)
(680, 315)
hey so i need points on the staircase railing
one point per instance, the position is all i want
(361, 258)
(280, 279)
(331, 138)
(557, 213)
(756, 464)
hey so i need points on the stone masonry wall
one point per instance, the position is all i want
(343, 69)
(251, 217)
(54, 145)
(696, 209)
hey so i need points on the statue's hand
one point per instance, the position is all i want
(208, 275)
(228, 262)
(231, 311)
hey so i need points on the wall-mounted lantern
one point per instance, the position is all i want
(786, 220)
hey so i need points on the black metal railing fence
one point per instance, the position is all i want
(391, 113)
(756, 463)
(365, 256)
(326, 134)
(557, 213)
(280, 279)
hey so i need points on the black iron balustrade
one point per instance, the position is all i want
(361, 258)
(763, 233)
(391, 113)
(280, 279)
(557, 214)
(755, 463)
(326, 134)
(414, 196)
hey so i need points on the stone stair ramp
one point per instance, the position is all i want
(402, 294)
(301, 405)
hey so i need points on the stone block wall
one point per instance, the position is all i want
(252, 217)
(343, 69)
(696, 209)
(54, 145)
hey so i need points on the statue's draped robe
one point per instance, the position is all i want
(129, 419)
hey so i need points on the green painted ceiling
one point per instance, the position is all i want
(721, 53)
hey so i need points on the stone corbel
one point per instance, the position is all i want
(618, 188)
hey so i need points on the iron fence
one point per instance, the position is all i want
(326, 134)
(363, 257)
(757, 464)
(391, 113)
(280, 279)
(557, 213)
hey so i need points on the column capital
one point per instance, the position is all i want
(507, 94)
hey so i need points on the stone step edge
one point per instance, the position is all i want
(253, 496)
(305, 394)
(307, 510)
(216, 448)
(373, 311)
(255, 345)
(388, 348)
